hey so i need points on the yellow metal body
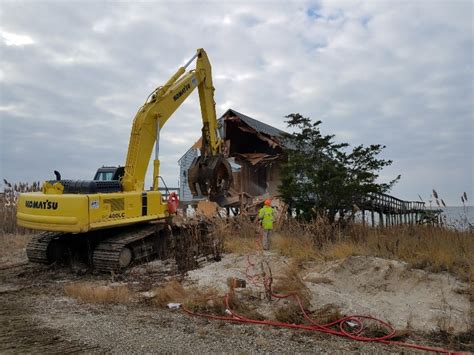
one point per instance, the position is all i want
(53, 210)
(78, 213)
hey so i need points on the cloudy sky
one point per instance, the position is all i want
(399, 73)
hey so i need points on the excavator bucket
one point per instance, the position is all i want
(212, 177)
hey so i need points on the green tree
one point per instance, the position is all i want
(322, 177)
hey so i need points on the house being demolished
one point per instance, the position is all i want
(254, 150)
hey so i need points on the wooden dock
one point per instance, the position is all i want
(393, 211)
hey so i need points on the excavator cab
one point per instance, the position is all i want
(107, 173)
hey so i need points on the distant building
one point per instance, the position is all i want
(184, 163)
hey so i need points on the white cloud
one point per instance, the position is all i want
(399, 74)
(8, 108)
(14, 39)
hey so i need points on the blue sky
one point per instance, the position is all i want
(73, 75)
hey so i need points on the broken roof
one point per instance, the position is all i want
(257, 158)
(274, 136)
(256, 125)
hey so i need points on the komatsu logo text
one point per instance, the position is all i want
(181, 92)
(44, 205)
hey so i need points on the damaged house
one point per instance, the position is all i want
(254, 150)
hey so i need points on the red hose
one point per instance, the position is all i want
(313, 326)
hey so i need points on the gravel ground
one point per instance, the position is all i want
(65, 325)
(36, 317)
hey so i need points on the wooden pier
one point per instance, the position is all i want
(393, 211)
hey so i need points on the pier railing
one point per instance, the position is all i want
(390, 204)
(392, 210)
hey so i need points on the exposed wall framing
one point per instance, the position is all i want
(255, 151)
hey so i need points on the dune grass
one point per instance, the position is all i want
(424, 247)
(431, 248)
(8, 206)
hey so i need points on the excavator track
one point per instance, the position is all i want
(111, 250)
(39, 246)
(117, 252)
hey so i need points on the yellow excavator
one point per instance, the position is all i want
(113, 218)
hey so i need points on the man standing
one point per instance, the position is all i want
(265, 214)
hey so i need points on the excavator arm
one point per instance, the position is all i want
(113, 223)
(210, 174)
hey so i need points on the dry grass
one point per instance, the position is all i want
(208, 301)
(317, 233)
(8, 201)
(341, 250)
(88, 292)
(197, 300)
(374, 330)
(170, 292)
(461, 341)
(291, 282)
(12, 242)
(240, 234)
(244, 304)
(290, 313)
(205, 301)
(299, 241)
(429, 248)
(240, 246)
(327, 314)
(299, 248)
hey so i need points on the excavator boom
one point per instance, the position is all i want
(213, 172)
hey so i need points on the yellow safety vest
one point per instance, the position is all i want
(266, 215)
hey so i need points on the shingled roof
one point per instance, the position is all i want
(256, 125)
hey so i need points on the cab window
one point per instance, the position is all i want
(105, 176)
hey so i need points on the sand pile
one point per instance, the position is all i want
(387, 289)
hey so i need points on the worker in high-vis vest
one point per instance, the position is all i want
(265, 215)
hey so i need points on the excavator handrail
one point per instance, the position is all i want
(164, 183)
(161, 86)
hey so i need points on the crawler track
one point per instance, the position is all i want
(108, 253)
(106, 250)
(38, 248)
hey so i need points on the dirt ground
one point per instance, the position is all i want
(36, 316)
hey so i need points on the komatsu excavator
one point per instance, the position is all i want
(112, 216)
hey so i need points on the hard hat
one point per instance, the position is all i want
(268, 202)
